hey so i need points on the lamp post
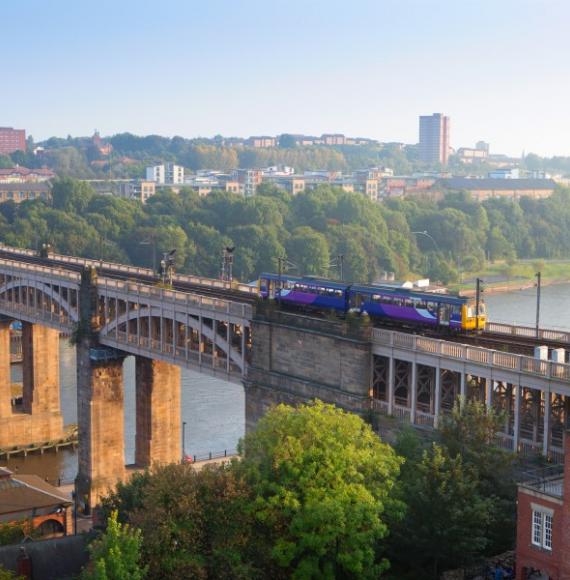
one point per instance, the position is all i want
(427, 235)
(183, 441)
(538, 283)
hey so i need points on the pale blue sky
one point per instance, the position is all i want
(499, 68)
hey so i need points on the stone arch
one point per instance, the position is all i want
(44, 289)
(49, 528)
(208, 332)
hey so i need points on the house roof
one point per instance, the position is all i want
(25, 492)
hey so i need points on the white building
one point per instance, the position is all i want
(166, 174)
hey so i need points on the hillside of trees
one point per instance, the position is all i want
(311, 229)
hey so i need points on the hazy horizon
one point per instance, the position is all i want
(250, 67)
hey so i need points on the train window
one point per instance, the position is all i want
(408, 303)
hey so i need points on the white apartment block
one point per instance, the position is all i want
(166, 174)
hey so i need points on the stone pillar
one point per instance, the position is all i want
(517, 419)
(546, 432)
(5, 378)
(414, 402)
(488, 382)
(40, 349)
(437, 402)
(157, 412)
(391, 383)
(101, 424)
(463, 388)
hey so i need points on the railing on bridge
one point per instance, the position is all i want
(137, 271)
(544, 334)
(186, 299)
(464, 352)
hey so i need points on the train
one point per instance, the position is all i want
(380, 301)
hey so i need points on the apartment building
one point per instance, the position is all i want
(166, 174)
(19, 192)
(12, 140)
(434, 138)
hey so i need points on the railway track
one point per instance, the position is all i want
(216, 292)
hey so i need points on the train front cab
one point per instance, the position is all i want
(469, 319)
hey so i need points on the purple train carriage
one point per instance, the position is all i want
(383, 301)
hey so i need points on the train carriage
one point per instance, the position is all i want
(305, 291)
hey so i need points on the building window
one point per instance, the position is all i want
(542, 529)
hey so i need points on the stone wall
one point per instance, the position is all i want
(296, 359)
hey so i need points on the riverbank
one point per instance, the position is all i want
(501, 277)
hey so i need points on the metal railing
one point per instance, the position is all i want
(16, 268)
(137, 271)
(127, 291)
(475, 354)
(547, 480)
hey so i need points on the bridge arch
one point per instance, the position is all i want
(47, 291)
(155, 312)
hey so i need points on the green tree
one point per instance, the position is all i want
(71, 195)
(116, 554)
(323, 483)
(446, 518)
(309, 250)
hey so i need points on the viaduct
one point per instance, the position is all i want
(111, 311)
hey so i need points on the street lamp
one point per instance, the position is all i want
(538, 282)
(427, 235)
(183, 441)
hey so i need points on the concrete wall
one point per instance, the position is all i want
(296, 359)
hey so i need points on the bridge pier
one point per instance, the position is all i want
(5, 375)
(39, 418)
(100, 404)
(157, 412)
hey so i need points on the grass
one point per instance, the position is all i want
(500, 274)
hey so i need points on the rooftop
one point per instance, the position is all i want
(545, 480)
(497, 184)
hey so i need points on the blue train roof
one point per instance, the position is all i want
(406, 292)
(309, 280)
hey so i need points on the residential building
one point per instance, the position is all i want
(293, 184)
(469, 155)
(19, 192)
(12, 140)
(434, 138)
(543, 522)
(333, 139)
(138, 189)
(166, 174)
(24, 175)
(482, 146)
(505, 173)
(248, 179)
(262, 141)
(482, 189)
(34, 505)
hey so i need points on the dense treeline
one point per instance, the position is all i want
(311, 229)
(317, 494)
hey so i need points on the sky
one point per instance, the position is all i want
(499, 68)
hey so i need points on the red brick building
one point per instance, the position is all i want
(36, 506)
(12, 140)
(543, 523)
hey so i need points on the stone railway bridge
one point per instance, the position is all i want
(279, 357)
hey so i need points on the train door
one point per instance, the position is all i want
(444, 314)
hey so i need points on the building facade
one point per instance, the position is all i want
(543, 522)
(12, 140)
(18, 192)
(434, 138)
(166, 174)
(24, 175)
(141, 190)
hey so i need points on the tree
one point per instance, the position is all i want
(323, 483)
(116, 554)
(71, 195)
(446, 519)
(470, 432)
(309, 250)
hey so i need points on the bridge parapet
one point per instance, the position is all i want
(472, 354)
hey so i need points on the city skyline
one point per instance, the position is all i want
(248, 68)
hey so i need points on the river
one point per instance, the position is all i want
(214, 410)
